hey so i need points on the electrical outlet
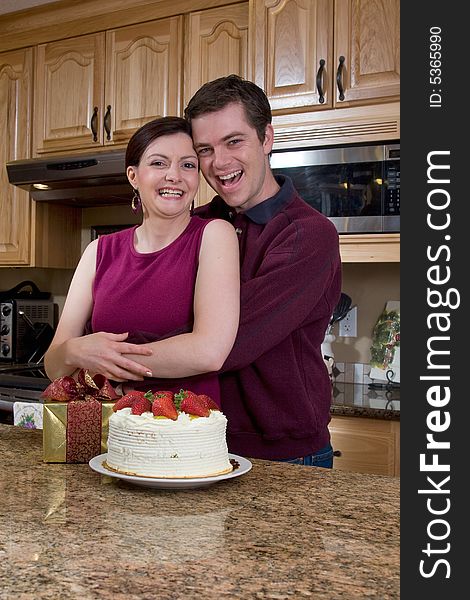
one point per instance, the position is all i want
(348, 325)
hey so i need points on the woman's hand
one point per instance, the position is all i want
(103, 353)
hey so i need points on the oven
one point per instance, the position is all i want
(20, 383)
(356, 187)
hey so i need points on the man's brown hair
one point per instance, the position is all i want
(217, 94)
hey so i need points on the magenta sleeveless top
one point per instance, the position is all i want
(150, 295)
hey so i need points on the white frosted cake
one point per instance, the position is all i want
(150, 446)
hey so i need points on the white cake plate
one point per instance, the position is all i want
(96, 464)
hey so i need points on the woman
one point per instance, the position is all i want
(168, 286)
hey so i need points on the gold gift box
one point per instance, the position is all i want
(54, 432)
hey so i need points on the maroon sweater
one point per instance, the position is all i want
(275, 388)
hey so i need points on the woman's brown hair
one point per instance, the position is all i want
(149, 132)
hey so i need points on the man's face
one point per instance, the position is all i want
(232, 158)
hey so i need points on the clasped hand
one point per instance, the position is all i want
(103, 353)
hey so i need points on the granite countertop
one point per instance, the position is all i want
(278, 531)
(359, 400)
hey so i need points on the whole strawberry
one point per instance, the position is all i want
(207, 400)
(183, 395)
(127, 400)
(163, 406)
(143, 404)
(190, 403)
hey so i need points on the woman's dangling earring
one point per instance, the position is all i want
(191, 210)
(136, 202)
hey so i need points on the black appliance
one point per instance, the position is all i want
(356, 187)
(27, 318)
(89, 179)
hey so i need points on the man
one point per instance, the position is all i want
(275, 388)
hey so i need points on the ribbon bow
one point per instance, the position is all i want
(85, 387)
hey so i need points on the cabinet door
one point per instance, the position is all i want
(367, 36)
(216, 44)
(292, 48)
(366, 445)
(15, 114)
(143, 75)
(69, 94)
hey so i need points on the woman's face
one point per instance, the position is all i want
(167, 177)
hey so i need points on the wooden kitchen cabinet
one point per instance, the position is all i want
(143, 75)
(366, 445)
(30, 235)
(316, 54)
(96, 90)
(367, 35)
(16, 75)
(215, 45)
(290, 40)
(69, 93)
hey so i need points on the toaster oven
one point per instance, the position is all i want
(26, 329)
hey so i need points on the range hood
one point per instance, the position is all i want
(85, 180)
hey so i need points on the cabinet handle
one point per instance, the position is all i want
(94, 124)
(107, 122)
(339, 77)
(337, 453)
(321, 94)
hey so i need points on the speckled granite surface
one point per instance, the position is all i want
(279, 531)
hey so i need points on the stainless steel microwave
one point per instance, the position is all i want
(357, 187)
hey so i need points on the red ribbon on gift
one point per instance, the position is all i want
(83, 430)
(84, 397)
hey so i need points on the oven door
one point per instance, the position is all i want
(346, 184)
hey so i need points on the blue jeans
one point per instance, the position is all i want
(321, 458)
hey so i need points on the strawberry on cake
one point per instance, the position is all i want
(166, 435)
